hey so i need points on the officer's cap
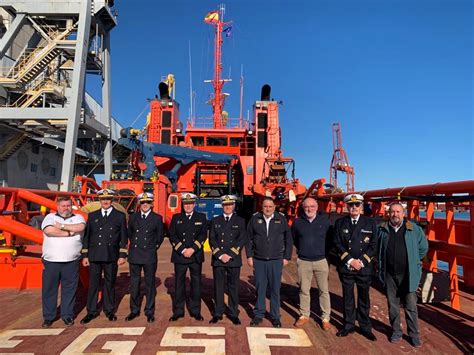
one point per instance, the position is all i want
(188, 197)
(353, 198)
(145, 197)
(228, 199)
(106, 194)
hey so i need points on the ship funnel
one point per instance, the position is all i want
(164, 92)
(266, 92)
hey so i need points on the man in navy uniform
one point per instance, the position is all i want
(227, 236)
(104, 248)
(187, 233)
(145, 233)
(269, 247)
(355, 240)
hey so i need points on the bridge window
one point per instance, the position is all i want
(197, 141)
(216, 141)
(235, 141)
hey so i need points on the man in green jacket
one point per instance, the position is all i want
(402, 245)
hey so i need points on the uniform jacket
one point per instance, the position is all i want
(278, 244)
(188, 233)
(360, 244)
(417, 247)
(227, 238)
(145, 236)
(105, 239)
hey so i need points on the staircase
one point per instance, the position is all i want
(12, 145)
(31, 97)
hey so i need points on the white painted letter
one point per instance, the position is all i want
(174, 337)
(80, 344)
(5, 336)
(260, 344)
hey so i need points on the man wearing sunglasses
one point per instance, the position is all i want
(145, 234)
(355, 240)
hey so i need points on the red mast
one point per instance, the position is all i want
(215, 18)
(339, 160)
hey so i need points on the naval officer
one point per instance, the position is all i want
(355, 241)
(145, 233)
(104, 248)
(227, 236)
(187, 233)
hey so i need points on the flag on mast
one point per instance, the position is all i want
(212, 17)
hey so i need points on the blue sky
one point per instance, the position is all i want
(397, 75)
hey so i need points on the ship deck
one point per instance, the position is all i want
(443, 329)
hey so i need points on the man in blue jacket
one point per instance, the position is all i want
(312, 242)
(402, 245)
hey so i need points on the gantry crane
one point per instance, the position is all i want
(339, 161)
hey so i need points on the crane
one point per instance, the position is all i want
(339, 161)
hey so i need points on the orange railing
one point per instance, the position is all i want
(450, 239)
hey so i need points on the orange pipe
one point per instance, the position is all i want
(21, 230)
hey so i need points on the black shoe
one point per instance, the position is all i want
(197, 316)
(150, 318)
(344, 332)
(68, 321)
(47, 323)
(215, 319)
(369, 335)
(88, 318)
(276, 323)
(111, 317)
(255, 321)
(235, 320)
(175, 317)
(131, 316)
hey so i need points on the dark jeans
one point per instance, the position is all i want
(54, 274)
(363, 301)
(267, 272)
(397, 288)
(149, 271)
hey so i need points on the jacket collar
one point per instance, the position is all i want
(408, 225)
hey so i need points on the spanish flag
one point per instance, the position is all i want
(212, 17)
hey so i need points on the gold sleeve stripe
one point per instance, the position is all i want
(235, 250)
(215, 250)
(367, 258)
(84, 250)
(197, 243)
(177, 246)
(344, 255)
(123, 250)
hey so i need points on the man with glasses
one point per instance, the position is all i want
(145, 234)
(62, 244)
(104, 248)
(355, 241)
(268, 249)
(187, 233)
(312, 241)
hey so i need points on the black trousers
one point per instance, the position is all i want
(233, 278)
(95, 274)
(149, 271)
(397, 289)
(363, 301)
(180, 288)
(65, 274)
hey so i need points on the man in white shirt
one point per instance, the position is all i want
(62, 232)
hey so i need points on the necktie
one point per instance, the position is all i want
(227, 218)
(105, 214)
(143, 216)
(189, 216)
(354, 222)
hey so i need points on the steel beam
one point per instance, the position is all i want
(10, 35)
(106, 102)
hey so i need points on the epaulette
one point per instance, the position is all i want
(256, 213)
(281, 213)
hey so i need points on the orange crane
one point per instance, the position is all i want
(339, 161)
